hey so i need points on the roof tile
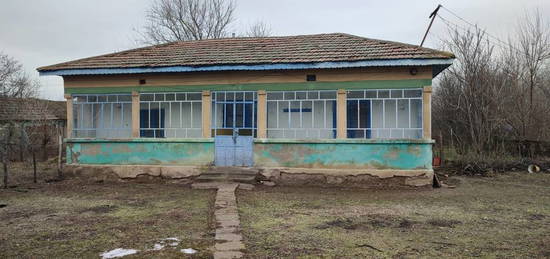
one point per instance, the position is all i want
(332, 47)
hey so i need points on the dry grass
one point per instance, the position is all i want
(504, 216)
(71, 219)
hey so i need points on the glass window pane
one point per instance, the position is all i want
(125, 98)
(416, 113)
(313, 95)
(290, 95)
(327, 95)
(147, 97)
(396, 93)
(383, 94)
(356, 94)
(275, 96)
(371, 94)
(159, 97)
(390, 114)
(412, 93)
(377, 120)
(194, 96)
(403, 113)
(170, 97)
(180, 97)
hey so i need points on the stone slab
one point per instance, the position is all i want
(227, 254)
(229, 246)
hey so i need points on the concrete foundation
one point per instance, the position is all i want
(361, 178)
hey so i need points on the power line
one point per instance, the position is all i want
(452, 25)
(477, 27)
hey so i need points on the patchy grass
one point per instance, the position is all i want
(71, 219)
(504, 216)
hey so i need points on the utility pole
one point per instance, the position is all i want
(432, 16)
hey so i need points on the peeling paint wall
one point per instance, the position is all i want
(347, 154)
(329, 154)
(190, 152)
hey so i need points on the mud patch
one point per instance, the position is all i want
(367, 222)
(443, 223)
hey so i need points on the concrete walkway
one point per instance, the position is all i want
(228, 238)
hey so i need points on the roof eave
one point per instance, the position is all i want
(440, 63)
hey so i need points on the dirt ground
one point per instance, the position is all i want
(71, 219)
(504, 216)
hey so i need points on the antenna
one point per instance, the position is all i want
(432, 16)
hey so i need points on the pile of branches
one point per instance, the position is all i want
(491, 167)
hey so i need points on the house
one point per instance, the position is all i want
(326, 108)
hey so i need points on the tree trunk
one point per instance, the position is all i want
(44, 152)
(59, 151)
(34, 165)
(5, 174)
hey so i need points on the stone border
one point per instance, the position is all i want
(349, 177)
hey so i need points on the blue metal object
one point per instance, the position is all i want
(439, 65)
(233, 150)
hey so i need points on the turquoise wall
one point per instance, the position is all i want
(193, 152)
(336, 154)
(344, 154)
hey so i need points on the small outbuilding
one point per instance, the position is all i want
(326, 108)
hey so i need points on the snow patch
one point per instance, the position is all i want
(157, 247)
(188, 251)
(119, 252)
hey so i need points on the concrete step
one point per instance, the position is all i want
(233, 170)
(226, 177)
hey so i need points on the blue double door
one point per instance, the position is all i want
(234, 128)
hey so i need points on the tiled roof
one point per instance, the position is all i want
(332, 47)
(31, 109)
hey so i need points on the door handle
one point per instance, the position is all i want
(235, 135)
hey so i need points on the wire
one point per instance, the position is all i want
(476, 27)
(452, 25)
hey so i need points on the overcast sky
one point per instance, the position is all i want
(45, 32)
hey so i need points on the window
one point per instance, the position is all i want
(388, 114)
(171, 115)
(234, 111)
(301, 114)
(102, 116)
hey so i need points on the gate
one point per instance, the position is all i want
(234, 127)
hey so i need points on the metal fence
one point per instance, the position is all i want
(102, 115)
(387, 114)
(301, 114)
(171, 115)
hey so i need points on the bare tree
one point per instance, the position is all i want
(469, 98)
(525, 65)
(14, 82)
(496, 94)
(180, 20)
(259, 29)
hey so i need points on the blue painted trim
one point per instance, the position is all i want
(441, 63)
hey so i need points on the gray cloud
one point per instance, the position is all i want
(44, 32)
